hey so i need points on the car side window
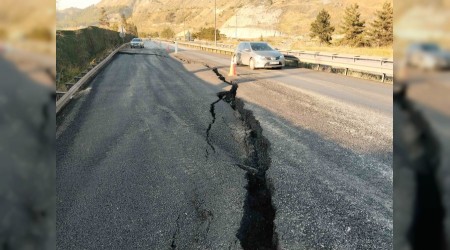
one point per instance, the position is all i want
(247, 46)
(241, 47)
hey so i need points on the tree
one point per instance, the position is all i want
(353, 27)
(322, 28)
(207, 34)
(381, 30)
(167, 33)
(103, 18)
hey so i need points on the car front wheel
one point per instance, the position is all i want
(235, 59)
(252, 64)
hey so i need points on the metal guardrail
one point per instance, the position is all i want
(378, 66)
(67, 96)
(372, 65)
(209, 48)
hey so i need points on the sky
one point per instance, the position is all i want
(64, 4)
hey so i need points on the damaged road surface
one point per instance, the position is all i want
(330, 174)
(148, 157)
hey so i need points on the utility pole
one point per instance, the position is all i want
(215, 25)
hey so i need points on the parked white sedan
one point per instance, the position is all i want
(258, 55)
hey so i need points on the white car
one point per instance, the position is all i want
(258, 55)
(427, 56)
(137, 43)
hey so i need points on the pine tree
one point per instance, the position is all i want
(381, 30)
(322, 28)
(103, 18)
(353, 27)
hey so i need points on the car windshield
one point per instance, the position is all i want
(260, 47)
(430, 47)
(136, 40)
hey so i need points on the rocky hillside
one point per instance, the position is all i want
(254, 17)
(19, 20)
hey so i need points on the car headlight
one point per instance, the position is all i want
(260, 57)
(282, 57)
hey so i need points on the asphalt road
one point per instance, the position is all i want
(331, 151)
(137, 165)
(430, 91)
(354, 91)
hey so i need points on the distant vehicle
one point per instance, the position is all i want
(137, 43)
(258, 55)
(427, 56)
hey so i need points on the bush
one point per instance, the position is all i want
(207, 34)
(76, 49)
(167, 33)
(43, 34)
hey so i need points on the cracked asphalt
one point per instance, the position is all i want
(134, 168)
(331, 171)
(138, 166)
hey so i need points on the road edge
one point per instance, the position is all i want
(65, 99)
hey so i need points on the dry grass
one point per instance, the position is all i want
(386, 52)
(297, 44)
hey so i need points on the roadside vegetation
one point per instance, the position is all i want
(167, 33)
(352, 36)
(207, 34)
(76, 50)
(373, 40)
(343, 27)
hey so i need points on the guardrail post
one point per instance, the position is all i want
(383, 78)
(346, 71)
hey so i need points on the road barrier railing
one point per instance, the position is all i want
(371, 65)
(67, 96)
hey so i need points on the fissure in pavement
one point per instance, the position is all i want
(173, 245)
(257, 229)
(220, 76)
(257, 224)
(417, 156)
(213, 115)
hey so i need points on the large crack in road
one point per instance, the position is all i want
(257, 224)
(213, 115)
(331, 152)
